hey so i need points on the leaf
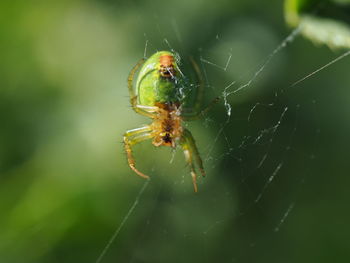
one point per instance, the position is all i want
(322, 22)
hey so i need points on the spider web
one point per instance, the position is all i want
(274, 147)
(256, 159)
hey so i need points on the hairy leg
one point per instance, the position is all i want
(133, 137)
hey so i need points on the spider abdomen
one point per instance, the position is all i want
(159, 80)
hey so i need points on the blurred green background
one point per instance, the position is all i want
(277, 185)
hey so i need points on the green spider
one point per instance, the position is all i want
(161, 94)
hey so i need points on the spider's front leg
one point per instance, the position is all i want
(192, 155)
(133, 137)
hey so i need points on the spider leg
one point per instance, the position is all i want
(195, 112)
(200, 88)
(193, 115)
(191, 155)
(133, 137)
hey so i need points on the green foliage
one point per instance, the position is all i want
(323, 22)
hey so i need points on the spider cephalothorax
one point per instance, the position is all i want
(157, 96)
(166, 66)
(167, 126)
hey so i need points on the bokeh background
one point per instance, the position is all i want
(277, 185)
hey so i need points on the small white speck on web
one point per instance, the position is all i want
(225, 95)
(228, 107)
(285, 215)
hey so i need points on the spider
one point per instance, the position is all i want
(160, 95)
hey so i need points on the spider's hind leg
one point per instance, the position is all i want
(192, 155)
